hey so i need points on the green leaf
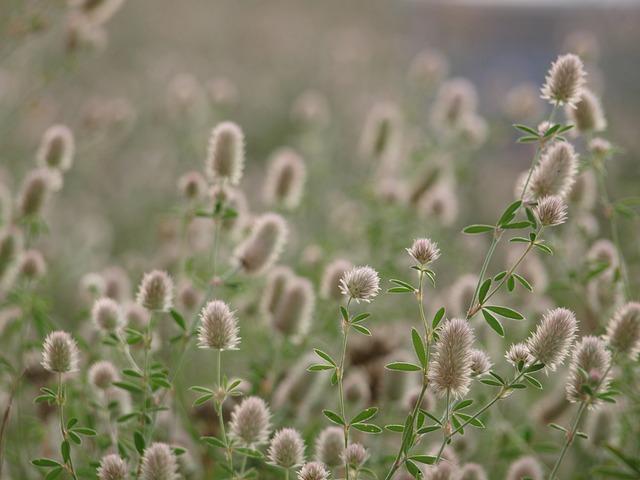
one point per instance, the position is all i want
(360, 317)
(438, 318)
(470, 420)
(394, 427)
(534, 368)
(430, 428)
(560, 428)
(138, 441)
(544, 248)
(87, 432)
(71, 423)
(400, 290)
(509, 213)
(45, 462)
(178, 319)
(249, 452)
(214, 442)
(65, 451)
(478, 228)
(525, 129)
(367, 427)
(533, 381)
(402, 367)
(362, 329)
(131, 373)
(419, 348)
(426, 459)
(365, 414)
(334, 417)
(128, 386)
(484, 289)
(198, 388)
(403, 284)
(344, 313)
(53, 473)
(505, 312)
(528, 139)
(325, 356)
(523, 281)
(203, 399)
(319, 367)
(462, 405)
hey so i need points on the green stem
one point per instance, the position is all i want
(219, 404)
(63, 430)
(485, 264)
(341, 370)
(569, 439)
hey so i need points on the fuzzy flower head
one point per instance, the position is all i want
(355, 455)
(192, 185)
(156, 291)
(32, 265)
(295, 308)
(424, 251)
(472, 471)
(35, 191)
(313, 471)
(623, 330)
(263, 246)
(285, 179)
(251, 421)
(480, 362)
(551, 211)
(225, 158)
(112, 467)
(360, 283)
(11, 244)
(102, 374)
(456, 99)
(556, 172)
(518, 355)
(159, 463)
(451, 370)
(588, 371)
(329, 446)
(565, 80)
(525, 467)
(286, 449)
(107, 315)
(382, 132)
(218, 327)
(554, 335)
(277, 281)
(330, 283)
(587, 115)
(60, 353)
(57, 148)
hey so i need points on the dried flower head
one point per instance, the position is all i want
(225, 158)
(107, 315)
(192, 185)
(57, 148)
(218, 327)
(159, 463)
(112, 467)
(472, 471)
(556, 172)
(293, 313)
(329, 446)
(313, 471)
(251, 421)
(60, 353)
(525, 468)
(623, 330)
(587, 115)
(451, 368)
(360, 283)
(480, 362)
(565, 80)
(424, 251)
(518, 355)
(35, 191)
(551, 211)
(589, 370)
(156, 291)
(554, 335)
(263, 246)
(102, 374)
(330, 283)
(286, 449)
(285, 179)
(355, 455)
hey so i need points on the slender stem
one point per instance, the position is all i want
(218, 404)
(63, 430)
(487, 259)
(341, 370)
(447, 428)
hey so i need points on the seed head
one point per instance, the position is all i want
(159, 463)
(551, 211)
(60, 353)
(554, 335)
(525, 468)
(225, 158)
(285, 180)
(107, 315)
(587, 115)
(286, 449)
(333, 272)
(329, 446)
(355, 455)
(360, 283)
(294, 310)
(218, 327)
(623, 330)
(35, 191)
(556, 172)
(156, 291)
(251, 421)
(589, 365)
(480, 362)
(112, 467)
(518, 355)
(451, 371)
(102, 374)
(263, 246)
(565, 81)
(57, 148)
(424, 251)
(472, 471)
(192, 185)
(313, 471)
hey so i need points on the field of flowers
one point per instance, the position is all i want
(242, 240)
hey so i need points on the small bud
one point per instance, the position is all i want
(156, 291)
(554, 335)
(360, 283)
(329, 446)
(57, 148)
(112, 467)
(218, 327)
(424, 251)
(551, 211)
(565, 80)
(159, 463)
(60, 353)
(623, 330)
(480, 362)
(102, 374)
(106, 315)
(286, 449)
(451, 368)
(251, 422)
(285, 179)
(225, 158)
(518, 355)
